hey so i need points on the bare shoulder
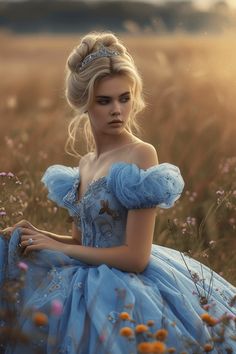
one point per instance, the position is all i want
(144, 155)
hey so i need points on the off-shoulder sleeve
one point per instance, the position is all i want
(160, 185)
(60, 180)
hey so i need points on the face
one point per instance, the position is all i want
(111, 105)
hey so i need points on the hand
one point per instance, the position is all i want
(33, 240)
(23, 223)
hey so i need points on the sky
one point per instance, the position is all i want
(201, 4)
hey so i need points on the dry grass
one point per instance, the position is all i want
(190, 85)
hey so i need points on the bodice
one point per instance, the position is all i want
(101, 213)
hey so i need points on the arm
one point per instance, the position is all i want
(133, 256)
(75, 238)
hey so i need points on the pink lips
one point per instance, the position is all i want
(116, 121)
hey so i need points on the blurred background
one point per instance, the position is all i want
(186, 54)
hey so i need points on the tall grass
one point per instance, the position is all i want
(190, 118)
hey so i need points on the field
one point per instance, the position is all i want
(189, 87)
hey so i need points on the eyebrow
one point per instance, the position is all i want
(123, 94)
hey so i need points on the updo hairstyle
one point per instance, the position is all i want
(80, 82)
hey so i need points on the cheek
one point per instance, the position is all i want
(99, 114)
(128, 108)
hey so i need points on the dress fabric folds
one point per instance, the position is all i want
(173, 291)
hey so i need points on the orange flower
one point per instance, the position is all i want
(161, 334)
(145, 347)
(211, 321)
(171, 350)
(208, 347)
(40, 319)
(126, 332)
(124, 316)
(158, 347)
(150, 323)
(140, 328)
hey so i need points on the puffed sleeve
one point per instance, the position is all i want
(160, 185)
(60, 181)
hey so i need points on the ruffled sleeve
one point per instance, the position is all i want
(61, 181)
(135, 188)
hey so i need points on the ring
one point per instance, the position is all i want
(30, 241)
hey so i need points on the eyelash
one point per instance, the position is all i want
(122, 100)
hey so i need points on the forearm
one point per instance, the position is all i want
(120, 257)
(61, 238)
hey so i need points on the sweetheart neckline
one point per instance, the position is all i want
(89, 186)
(104, 178)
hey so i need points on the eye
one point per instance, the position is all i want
(103, 101)
(125, 99)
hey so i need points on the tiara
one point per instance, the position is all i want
(102, 52)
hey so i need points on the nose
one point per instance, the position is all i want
(115, 109)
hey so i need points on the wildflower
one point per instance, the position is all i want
(40, 319)
(10, 174)
(126, 332)
(3, 213)
(140, 328)
(209, 320)
(158, 347)
(220, 192)
(195, 277)
(191, 221)
(124, 316)
(102, 337)
(161, 334)
(145, 347)
(23, 266)
(206, 307)
(56, 307)
(208, 347)
(150, 323)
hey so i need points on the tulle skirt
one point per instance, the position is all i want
(101, 306)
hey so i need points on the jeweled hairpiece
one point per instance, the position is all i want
(102, 52)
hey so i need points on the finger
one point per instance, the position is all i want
(22, 223)
(25, 231)
(25, 244)
(31, 248)
(6, 230)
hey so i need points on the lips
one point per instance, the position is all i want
(116, 121)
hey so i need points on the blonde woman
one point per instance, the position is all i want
(115, 286)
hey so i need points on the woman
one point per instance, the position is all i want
(120, 293)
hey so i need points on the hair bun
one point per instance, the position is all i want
(91, 43)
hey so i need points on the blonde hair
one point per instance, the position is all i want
(80, 84)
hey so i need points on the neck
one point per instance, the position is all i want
(106, 144)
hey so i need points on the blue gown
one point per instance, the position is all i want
(172, 291)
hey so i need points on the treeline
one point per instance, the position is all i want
(81, 16)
